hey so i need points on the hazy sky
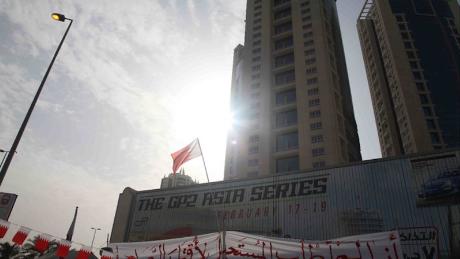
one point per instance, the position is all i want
(134, 81)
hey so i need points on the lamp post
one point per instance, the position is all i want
(94, 235)
(9, 157)
(4, 156)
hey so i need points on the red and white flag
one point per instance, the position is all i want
(63, 248)
(185, 154)
(4, 226)
(21, 235)
(84, 253)
(42, 242)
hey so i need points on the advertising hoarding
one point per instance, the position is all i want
(369, 197)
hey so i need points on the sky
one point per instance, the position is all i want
(133, 82)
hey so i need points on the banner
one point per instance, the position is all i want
(7, 201)
(384, 245)
(419, 242)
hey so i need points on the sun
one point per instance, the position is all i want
(203, 111)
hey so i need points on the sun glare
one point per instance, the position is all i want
(202, 111)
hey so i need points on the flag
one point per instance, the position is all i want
(185, 154)
(4, 225)
(21, 235)
(84, 253)
(72, 226)
(63, 248)
(42, 242)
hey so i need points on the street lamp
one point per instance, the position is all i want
(94, 235)
(4, 156)
(10, 154)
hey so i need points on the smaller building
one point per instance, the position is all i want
(175, 180)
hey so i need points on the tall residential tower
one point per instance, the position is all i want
(412, 54)
(290, 92)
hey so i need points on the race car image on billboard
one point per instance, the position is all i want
(442, 186)
(436, 181)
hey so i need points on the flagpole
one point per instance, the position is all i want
(202, 157)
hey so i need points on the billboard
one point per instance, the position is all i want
(7, 201)
(437, 180)
(369, 197)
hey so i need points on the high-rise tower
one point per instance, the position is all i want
(290, 92)
(411, 51)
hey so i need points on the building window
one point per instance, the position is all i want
(287, 164)
(420, 86)
(315, 114)
(254, 139)
(405, 35)
(286, 97)
(286, 118)
(308, 43)
(305, 11)
(257, 14)
(256, 43)
(435, 138)
(309, 52)
(283, 43)
(408, 45)
(256, 76)
(285, 77)
(317, 152)
(255, 59)
(313, 103)
(310, 61)
(431, 125)
(411, 54)
(315, 126)
(319, 164)
(255, 85)
(284, 60)
(314, 91)
(287, 141)
(282, 13)
(312, 81)
(308, 34)
(317, 138)
(256, 51)
(424, 99)
(427, 111)
(311, 70)
(417, 75)
(280, 2)
(256, 68)
(253, 150)
(253, 174)
(253, 162)
(284, 27)
(306, 18)
(307, 26)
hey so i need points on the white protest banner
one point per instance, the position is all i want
(384, 245)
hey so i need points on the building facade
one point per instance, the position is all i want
(416, 195)
(176, 180)
(411, 52)
(290, 93)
